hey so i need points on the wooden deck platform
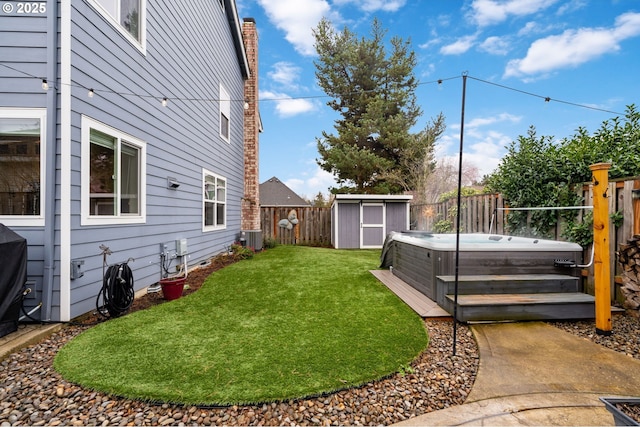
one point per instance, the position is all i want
(419, 302)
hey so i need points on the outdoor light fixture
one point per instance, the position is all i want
(172, 182)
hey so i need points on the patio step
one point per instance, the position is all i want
(521, 306)
(506, 284)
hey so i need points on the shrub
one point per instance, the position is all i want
(269, 243)
(242, 252)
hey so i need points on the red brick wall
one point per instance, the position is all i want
(251, 201)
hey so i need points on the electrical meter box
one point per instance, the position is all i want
(181, 247)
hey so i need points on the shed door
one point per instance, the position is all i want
(372, 225)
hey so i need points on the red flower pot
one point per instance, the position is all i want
(172, 287)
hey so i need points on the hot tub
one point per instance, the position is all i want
(419, 257)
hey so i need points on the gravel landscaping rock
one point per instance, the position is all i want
(32, 393)
(625, 336)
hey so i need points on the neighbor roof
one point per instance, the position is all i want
(274, 193)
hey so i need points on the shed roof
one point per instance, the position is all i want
(375, 197)
(274, 192)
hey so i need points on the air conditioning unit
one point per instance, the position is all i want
(252, 238)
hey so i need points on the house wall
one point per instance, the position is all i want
(23, 48)
(189, 53)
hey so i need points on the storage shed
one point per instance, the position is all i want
(364, 220)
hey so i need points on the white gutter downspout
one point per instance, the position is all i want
(65, 160)
(50, 159)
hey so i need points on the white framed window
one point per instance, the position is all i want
(128, 16)
(113, 176)
(214, 202)
(225, 114)
(22, 166)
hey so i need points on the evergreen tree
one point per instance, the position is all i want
(373, 91)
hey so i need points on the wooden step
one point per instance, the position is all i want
(506, 284)
(533, 306)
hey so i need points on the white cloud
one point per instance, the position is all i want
(484, 150)
(374, 5)
(495, 45)
(487, 151)
(287, 106)
(285, 73)
(428, 44)
(296, 18)
(485, 121)
(529, 28)
(484, 146)
(488, 12)
(459, 47)
(571, 6)
(574, 47)
(309, 186)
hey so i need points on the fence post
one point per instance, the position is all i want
(635, 196)
(602, 270)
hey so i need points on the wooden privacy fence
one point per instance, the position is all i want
(479, 215)
(313, 227)
(476, 216)
(487, 213)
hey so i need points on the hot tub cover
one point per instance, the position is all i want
(13, 273)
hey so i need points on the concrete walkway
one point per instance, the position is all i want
(531, 373)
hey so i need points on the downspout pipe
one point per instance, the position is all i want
(50, 159)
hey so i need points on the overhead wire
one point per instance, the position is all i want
(91, 91)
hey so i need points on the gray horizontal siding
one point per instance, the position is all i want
(188, 56)
(23, 42)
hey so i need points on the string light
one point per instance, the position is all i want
(90, 94)
(439, 82)
(546, 98)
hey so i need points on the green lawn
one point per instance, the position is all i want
(292, 322)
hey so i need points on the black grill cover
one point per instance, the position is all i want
(13, 275)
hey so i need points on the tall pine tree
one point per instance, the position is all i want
(373, 90)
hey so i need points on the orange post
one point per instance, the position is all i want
(602, 271)
(636, 207)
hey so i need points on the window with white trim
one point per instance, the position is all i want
(128, 15)
(214, 201)
(113, 175)
(22, 166)
(225, 114)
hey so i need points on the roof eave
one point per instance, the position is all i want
(236, 32)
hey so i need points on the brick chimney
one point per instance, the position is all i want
(252, 128)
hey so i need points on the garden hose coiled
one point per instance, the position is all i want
(117, 290)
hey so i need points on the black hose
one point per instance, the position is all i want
(117, 290)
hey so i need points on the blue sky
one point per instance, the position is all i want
(515, 53)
